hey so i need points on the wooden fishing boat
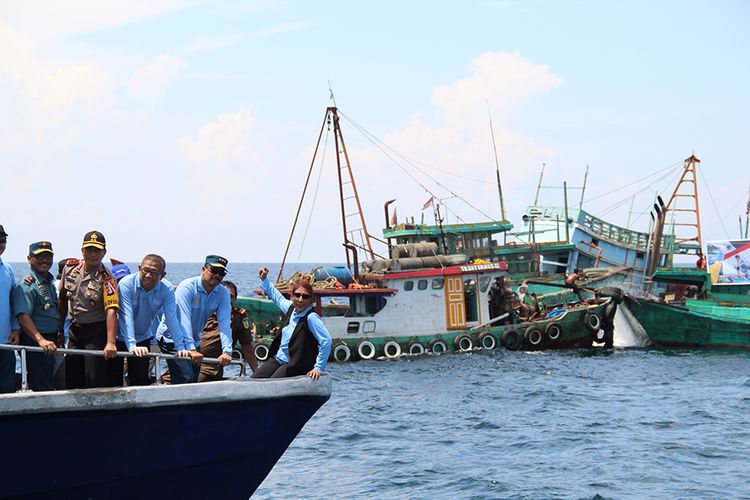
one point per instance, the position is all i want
(421, 299)
(207, 440)
(707, 306)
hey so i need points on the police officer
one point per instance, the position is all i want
(35, 305)
(88, 296)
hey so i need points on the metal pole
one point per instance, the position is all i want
(24, 369)
(539, 185)
(583, 189)
(565, 195)
(497, 166)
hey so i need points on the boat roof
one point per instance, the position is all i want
(402, 230)
(511, 248)
(682, 275)
(446, 271)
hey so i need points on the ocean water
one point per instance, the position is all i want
(628, 422)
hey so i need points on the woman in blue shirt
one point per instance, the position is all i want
(304, 344)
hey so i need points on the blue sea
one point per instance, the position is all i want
(581, 423)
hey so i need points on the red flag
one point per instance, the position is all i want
(394, 219)
(427, 203)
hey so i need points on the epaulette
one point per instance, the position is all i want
(29, 280)
(72, 262)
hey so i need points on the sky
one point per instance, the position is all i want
(187, 127)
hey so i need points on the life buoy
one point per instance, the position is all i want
(415, 349)
(512, 340)
(463, 343)
(261, 351)
(438, 347)
(392, 349)
(592, 321)
(342, 353)
(366, 349)
(534, 335)
(487, 341)
(553, 331)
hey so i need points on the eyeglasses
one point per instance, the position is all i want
(303, 296)
(152, 272)
(220, 271)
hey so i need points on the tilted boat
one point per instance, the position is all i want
(207, 440)
(695, 307)
(422, 299)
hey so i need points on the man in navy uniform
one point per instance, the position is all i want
(35, 305)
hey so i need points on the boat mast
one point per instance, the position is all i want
(539, 185)
(747, 211)
(497, 166)
(583, 189)
(689, 184)
(346, 178)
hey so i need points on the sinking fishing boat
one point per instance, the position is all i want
(704, 306)
(420, 300)
(207, 440)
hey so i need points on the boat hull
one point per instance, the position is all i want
(675, 326)
(221, 447)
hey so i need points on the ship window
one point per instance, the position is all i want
(408, 285)
(422, 284)
(368, 327)
(484, 282)
(437, 284)
(352, 327)
(373, 305)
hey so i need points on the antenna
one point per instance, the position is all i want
(497, 164)
(330, 94)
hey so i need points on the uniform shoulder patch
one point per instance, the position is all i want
(72, 262)
(240, 310)
(29, 280)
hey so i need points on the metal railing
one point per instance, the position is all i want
(158, 357)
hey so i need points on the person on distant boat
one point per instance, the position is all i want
(35, 305)
(304, 344)
(9, 331)
(241, 332)
(571, 281)
(701, 262)
(145, 297)
(88, 297)
(197, 299)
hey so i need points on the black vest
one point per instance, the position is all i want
(303, 346)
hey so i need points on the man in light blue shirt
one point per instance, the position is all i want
(9, 330)
(145, 297)
(197, 298)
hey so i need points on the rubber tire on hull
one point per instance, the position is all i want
(488, 341)
(438, 347)
(592, 321)
(415, 349)
(554, 332)
(261, 351)
(366, 350)
(512, 340)
(392, 349)
(534, 336)
(463, 343)
(342, 348)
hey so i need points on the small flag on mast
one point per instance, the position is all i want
(427, 203)
(394, 219)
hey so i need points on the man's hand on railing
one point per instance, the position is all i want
(48, 346)
(196, 356)
(224, 359)
(15, 337)
(139, 351)
(110, 350)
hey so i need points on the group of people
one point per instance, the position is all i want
(113, 311)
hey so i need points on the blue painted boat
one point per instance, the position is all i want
(208, 440)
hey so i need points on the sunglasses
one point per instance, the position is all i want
(220, 271)
(303, 296)
(150, 272)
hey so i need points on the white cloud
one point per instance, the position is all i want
(502, 79)
(150, 82)
(214, 42)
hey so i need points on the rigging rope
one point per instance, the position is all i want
(710, 195)
(377, 143)
(315, 195)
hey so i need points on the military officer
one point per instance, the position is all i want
(89, 298)
(241, 332)
(35, 305)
